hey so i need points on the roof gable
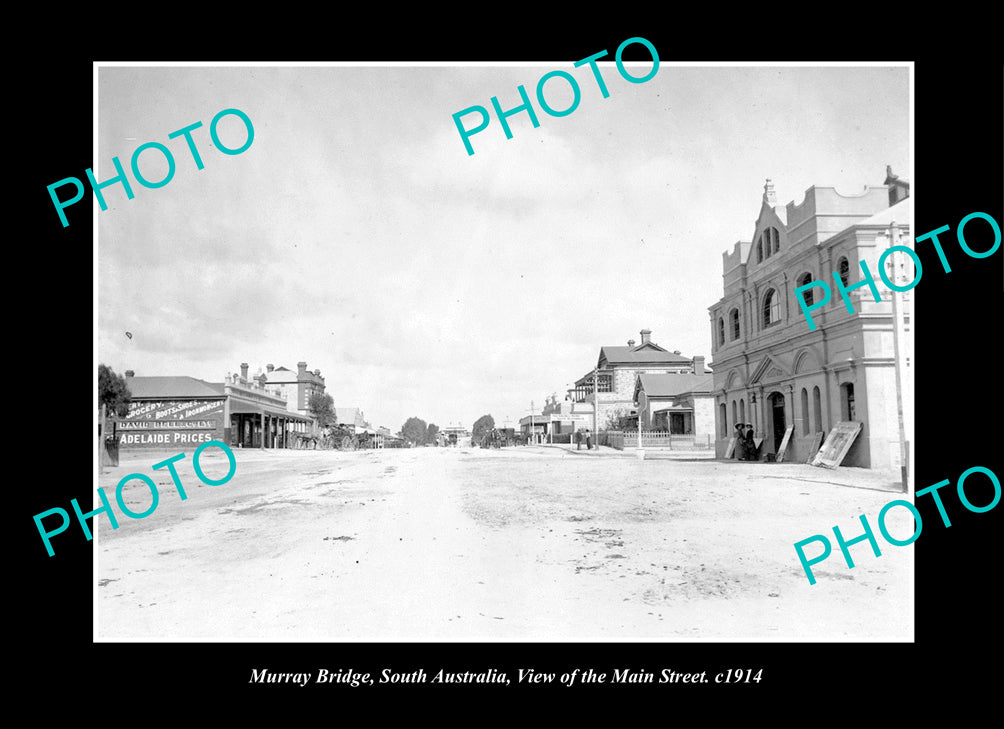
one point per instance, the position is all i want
(768, 370)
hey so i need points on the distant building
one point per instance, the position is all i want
(770, 369)
(455, 435)
(618, 368)
(535, 428)
(351, 418)
(295, 388)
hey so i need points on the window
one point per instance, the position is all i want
(805, 411)
(771, 308)
(735, 324)
(742, 410)
(817, 407)
(844, 270)
(721, 330)
(722, 419)
(768, 244)
(807, 294)
(735, 414)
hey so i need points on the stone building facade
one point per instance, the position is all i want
(770, 368)
(618, 368)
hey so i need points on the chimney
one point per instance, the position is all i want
(269, 367)
(317, 373)
(244, 370)
(261, 381)
(129, 373)
(698, 365)
(646, 336)
(769, 196)
(631, 343)
(301, 368)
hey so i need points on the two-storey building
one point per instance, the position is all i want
(296, 388)
(617, 371)
(770, 368)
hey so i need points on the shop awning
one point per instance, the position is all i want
(242, 407)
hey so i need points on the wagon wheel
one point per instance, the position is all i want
(347, 443)
(354, 443)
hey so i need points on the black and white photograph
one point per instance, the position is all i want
(613, 350)
(398, 339)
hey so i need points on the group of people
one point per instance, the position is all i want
(746, 449)
(580, 437)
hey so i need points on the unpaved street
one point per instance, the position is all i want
(532, 544)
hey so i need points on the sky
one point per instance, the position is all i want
(357, 234)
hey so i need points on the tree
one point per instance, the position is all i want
(415, 430)
(430, 436)
(322, 409)
(615, 419)
(113, 391)
(481, 426)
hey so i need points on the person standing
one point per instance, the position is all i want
(750, 443)
(589, 440)
(740, 450)
(578, 440)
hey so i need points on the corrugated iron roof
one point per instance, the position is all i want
(172, 387)
(673, 385)
(635, 355)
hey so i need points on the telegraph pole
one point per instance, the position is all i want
(596, 405)
(101, 441)
(898, 326)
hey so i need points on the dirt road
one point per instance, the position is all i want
(528, 544)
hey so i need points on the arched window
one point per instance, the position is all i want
(759, 251)
(742, 410)
(776, 239)
(805, 411)
(817, 406)
(721, 330)
(771, 308)
(735, 324)
(844, 271)
(735, 414)
(723, 420)
(807, 294)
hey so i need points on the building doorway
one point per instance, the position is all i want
(847, 409)
(777, 416)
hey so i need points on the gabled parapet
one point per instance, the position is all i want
(824, 212)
